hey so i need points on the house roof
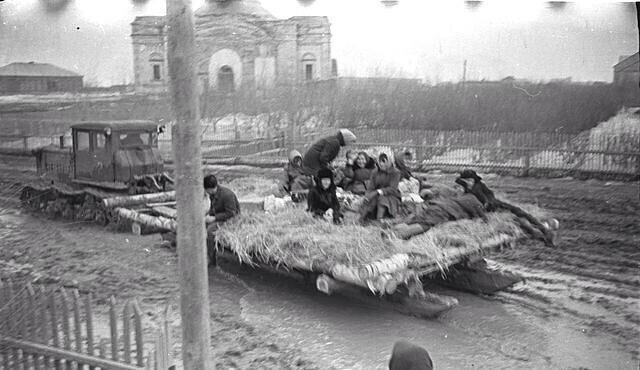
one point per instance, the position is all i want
(629, 62)
(117, 125)
(35, 70)
(158, 20)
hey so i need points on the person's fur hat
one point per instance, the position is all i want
(347, 136)
(325, 173)
(470, 174)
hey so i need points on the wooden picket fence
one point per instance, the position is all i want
(54, 329)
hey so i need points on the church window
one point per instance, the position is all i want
(308, 72)
(156, 60)
(156, 72)
(308, 61)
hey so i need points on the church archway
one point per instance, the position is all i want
(225, 64)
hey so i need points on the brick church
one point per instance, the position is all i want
(240, 46)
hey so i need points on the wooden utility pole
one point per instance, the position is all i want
(464, 72)
(191, 238)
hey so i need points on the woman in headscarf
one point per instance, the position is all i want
(383, 199)
(357, 175)
(294, 179)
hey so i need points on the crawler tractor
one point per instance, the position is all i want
(106, 159)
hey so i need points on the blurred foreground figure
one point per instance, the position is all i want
(407, 356)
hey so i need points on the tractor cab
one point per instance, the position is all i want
(117, 152)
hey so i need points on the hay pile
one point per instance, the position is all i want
(292, 237)
(253, 187)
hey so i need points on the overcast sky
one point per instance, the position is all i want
(425, 39)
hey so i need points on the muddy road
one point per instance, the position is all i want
(578, 308)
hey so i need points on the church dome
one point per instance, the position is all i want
(251, 8)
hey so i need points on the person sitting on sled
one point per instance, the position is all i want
(294, 181)
(358, 173)
(322, 197)
(224, 206)
(383, 199)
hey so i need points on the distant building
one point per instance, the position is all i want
(240, 45)
(627, 71)
(29, 78)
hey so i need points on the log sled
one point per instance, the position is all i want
(392, 283)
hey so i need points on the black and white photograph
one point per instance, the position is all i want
(319, 184)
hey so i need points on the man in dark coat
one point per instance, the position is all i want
(438, 211)
(224, 206)
(323, 197)
(491, 203)
(407, 356)
(325, 150)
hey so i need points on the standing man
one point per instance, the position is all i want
(325, 150)
(224, 206)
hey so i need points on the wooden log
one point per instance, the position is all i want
(147, 220)
(426, 305)
(460, 254)
(292, 274)
(165, 211)
(161, 204)
(479, 277)
(131, 200)
(397, 262)
(328, 285)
